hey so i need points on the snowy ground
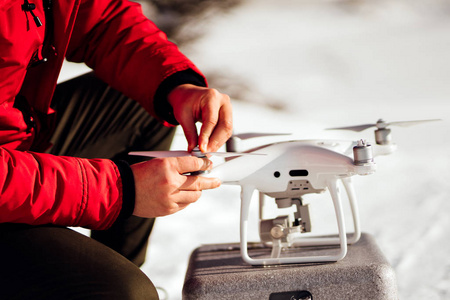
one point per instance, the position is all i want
(336, 63)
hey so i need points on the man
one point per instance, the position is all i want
(41, 193)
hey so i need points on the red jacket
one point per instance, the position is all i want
(125, 50)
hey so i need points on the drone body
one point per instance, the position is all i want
(286, 172)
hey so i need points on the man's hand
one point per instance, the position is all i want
(193, 104)
(161, 189)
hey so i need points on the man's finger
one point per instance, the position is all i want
(223, 130)
(210, 117)
(190, 132)
(192, 164)
(184, 198)
(198, 183)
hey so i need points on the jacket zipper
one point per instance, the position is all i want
(29, 7)
(41, 55)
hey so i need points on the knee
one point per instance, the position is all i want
(129, 285)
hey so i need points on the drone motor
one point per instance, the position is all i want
(362, 153)
(383, 136)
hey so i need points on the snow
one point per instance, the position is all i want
(329, 64)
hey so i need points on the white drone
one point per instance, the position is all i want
(286, 171)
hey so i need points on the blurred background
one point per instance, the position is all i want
(302, 66)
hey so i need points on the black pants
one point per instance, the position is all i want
(50, 262)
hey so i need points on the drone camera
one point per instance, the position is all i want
(281, 228)
(274, 229)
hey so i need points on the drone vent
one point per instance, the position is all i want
(298, 173)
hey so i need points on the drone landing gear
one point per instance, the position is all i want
(280, 232)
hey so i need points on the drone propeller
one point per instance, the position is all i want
(233, 143)
(196, 152)
(250, 135)
(161, 154)
(381, 124)
(411, 123)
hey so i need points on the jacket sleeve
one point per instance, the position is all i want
(41, 188)
(125, 49)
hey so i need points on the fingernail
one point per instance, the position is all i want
(206, 163)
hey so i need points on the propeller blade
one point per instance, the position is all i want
(250, 135)
(356, 128)
(161, 154)
(411, 123)
(233, 154)
(382, 124)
